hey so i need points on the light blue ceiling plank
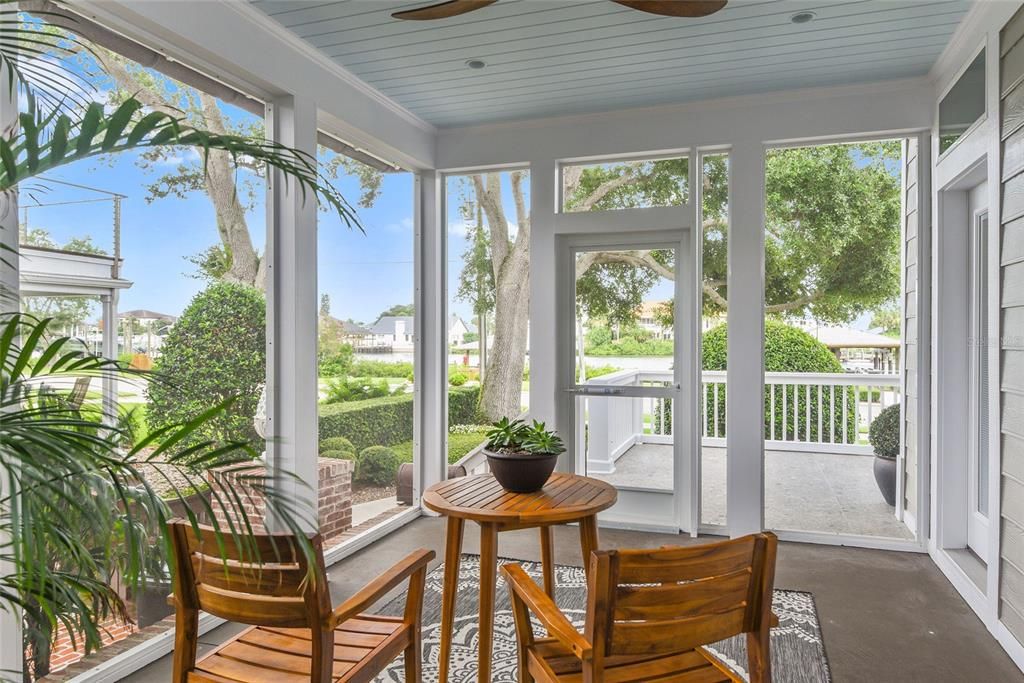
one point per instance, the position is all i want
(669, 76)
(613, 37)
(352, 36)
(484, 81)
(793, 79)
(557, 56)
(285, 10)
(724, 52)
(463, 117)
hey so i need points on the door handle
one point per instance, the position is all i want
(594, 391)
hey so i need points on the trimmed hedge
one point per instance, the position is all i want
(884, 434)
(388, 421)
(377, 466)
(337, 444)
(786, 349)
(338, 455)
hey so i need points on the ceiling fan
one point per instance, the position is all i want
(667, 8)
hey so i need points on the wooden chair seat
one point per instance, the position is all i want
(548, 659)
(282, 655)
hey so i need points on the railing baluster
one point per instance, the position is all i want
(821, 436)
(716, 409)
(785, 415)
(704, 409)
(832, 414)
(796, 412)
(846, 395)
(771, 404)
(871, 407)
(725, 420)
(807, 411)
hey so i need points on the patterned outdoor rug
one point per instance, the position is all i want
(798, 653)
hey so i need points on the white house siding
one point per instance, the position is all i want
(1011, 574)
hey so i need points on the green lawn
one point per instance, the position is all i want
(138, 417)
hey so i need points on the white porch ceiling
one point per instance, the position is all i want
(553, 57)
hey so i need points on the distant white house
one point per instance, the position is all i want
(395, 331)
(458, 329)
(648, 319)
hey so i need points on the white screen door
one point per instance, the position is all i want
(628, 371)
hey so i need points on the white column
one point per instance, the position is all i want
(431, 359)
(745, 378)
(109, 350)
(10, 621)
(546, 402)
(292, 315)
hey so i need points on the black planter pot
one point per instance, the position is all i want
(521, 472)
(885, 477)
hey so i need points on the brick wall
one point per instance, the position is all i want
(65, 652)
(334, 495)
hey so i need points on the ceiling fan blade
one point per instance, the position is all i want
(675, 8)
(443, 10)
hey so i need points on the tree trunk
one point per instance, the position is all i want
(502, 389)
(244, 264)
(510, 259)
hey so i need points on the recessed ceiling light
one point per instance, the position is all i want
(802, 17)
(476, 63)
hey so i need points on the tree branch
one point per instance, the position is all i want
(602, 190)
(794, 304)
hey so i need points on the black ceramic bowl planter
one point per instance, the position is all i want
(521, 472)
(522, 457)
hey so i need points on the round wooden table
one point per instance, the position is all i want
(564, 499)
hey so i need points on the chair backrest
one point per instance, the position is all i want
(661, 601)
(76, 397)
(263, 580)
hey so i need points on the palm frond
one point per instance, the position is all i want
(45, 143)
(31, 51)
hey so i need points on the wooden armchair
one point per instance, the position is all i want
(295, 633)
(649, 612)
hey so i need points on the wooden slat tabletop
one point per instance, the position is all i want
(565, 497)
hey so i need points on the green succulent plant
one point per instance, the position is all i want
(517, 436)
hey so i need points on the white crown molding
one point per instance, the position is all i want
(759, 99)
(254, 15)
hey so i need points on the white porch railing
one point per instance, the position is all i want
(820, 412)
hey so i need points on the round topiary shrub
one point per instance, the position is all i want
(216, 350)
(338, 455)
(884, 434)
(787, 349)
(456, 379)
(337, 443)
(377, 466)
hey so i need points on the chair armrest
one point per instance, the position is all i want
(543, 607)
(375, 590)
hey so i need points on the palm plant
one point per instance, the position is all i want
(78, 510)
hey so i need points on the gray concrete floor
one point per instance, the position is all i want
(885, 616)
(821, 492)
